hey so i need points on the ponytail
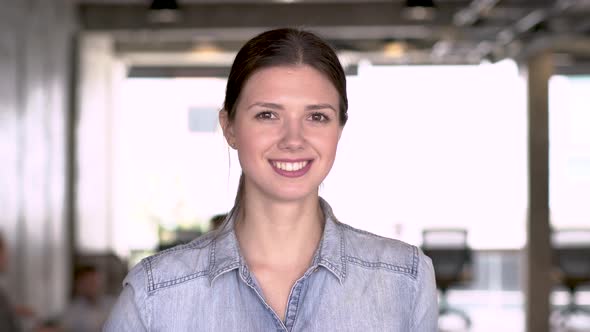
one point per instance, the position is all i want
(240, 194)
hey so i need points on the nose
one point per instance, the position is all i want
(293, 137)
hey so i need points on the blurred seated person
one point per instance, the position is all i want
(90, 307)
(49, 325)
(10, 315)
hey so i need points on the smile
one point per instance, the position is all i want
(291, 168)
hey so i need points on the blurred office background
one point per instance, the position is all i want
(469, 136)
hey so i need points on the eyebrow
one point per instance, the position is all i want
(317, 107)
(267, 105)
(274, 106)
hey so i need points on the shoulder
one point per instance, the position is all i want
(173, 266)
(377, 252)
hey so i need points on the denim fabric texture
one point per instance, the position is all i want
(357, 281)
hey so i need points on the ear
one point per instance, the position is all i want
(227, 128)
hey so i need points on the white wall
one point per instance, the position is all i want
(93, 150)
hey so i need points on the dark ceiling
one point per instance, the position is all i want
(454, 31)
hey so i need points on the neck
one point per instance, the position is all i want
(280, 233)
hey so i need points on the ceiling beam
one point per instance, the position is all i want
(250, 15)
(507, 43)
(474, 12)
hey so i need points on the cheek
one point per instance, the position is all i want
(256, 137)
(328, 142)
(252, 146)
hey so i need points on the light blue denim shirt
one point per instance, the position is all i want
(357, 281)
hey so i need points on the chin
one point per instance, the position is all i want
(296, 194)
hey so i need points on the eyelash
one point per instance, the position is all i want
(267, 115)
(324, 117)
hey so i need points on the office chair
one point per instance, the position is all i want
(451, 258)
(571, 254)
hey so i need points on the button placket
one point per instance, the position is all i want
(251, 282)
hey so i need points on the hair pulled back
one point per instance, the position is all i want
(285, 47)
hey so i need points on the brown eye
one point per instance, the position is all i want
(319, 117)
(266, 115)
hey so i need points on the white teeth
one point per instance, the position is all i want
(289, 167)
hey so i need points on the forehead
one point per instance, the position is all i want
(295, 80)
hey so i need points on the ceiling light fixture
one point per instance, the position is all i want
(164, 11)
(419, 3)
(206, 49)
(420, 10)
(395, 49)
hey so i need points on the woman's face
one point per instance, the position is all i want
(286, 131)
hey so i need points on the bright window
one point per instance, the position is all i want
(424, 147)
(569, 119)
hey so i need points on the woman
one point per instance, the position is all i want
(281, 261)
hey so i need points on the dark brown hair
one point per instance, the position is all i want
(283, 47)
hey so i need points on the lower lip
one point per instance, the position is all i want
(293, 174)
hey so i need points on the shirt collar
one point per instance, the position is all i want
(331, 252)
(224, 253)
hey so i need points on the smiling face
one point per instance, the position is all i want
(286, 131)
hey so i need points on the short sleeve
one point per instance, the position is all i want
(425, 314)
(130, 312)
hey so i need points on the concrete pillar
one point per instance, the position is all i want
(538, 250)
(10, 138)
(34, 89)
